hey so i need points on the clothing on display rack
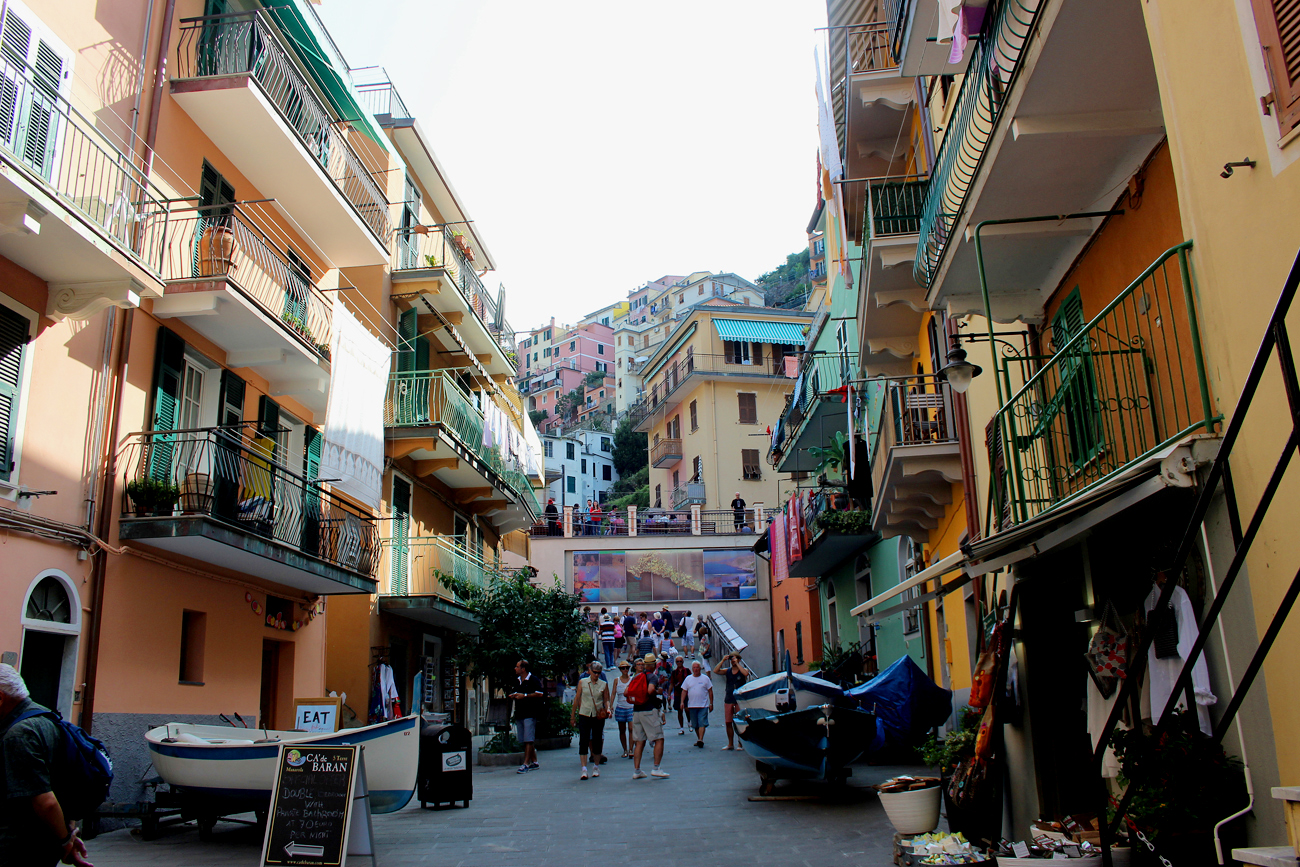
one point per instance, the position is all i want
(1163, 671)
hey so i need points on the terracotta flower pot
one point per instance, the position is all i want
(216, 251)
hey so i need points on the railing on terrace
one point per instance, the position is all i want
(246, 43)
(854, 50)
(897, 12)
(993, 70)
(233, 474)
(727, 522)
(895, 205)
(381, 98)
(666, 449)
(602, 523)
(1113, 391)
(229, 241)
(688, 494)
(424, 398)
(670, 376)
(415, 561)
(54, 144)
(914, 411)
(444, 248)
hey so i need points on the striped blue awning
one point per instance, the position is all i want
(759, 331)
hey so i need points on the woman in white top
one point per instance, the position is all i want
(623, 707)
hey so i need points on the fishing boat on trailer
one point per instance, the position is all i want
(221, 770)
(796, 726)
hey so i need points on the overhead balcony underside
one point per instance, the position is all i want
(823, 418)
(1084, 117)
(475, 487)
(891, 308)
(922, 53)
(431, 611)
(916, 489)
(246, 127)
(435, 289)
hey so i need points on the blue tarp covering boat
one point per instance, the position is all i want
(907, 703)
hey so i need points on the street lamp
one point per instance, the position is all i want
(959, 372)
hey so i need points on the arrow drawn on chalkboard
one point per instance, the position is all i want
(301, 849)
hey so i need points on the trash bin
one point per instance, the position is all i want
(445, 764)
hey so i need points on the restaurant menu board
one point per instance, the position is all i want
(311, 805)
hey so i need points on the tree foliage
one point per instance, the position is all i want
(519, 620)
(785, 283)
(630, 447)
(537, 416)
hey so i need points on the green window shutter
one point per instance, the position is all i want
(230, 403)
(399, 555)
(406, 330)
(421, 353)
(1078, 385)
(268, 417)
(311, 453)
(168, 373)
(15, 332)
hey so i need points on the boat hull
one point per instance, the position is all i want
(214, 763)
(763, 694)
(808, 743)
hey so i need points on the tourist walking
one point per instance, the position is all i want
(737, 675)
(33, 829)
(590, 710)
(688, 632)
(697, 689)
(657, 630)
(527, 696)
(607, 638)
(678, 674)
(623, 707)
(702, 636)
(738, 511)
(645, 644)
(648, 723)
(629, 632)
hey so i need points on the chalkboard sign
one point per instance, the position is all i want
(315, 792)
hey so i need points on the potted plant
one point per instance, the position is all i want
(458, 238)
(216, 250)
(947, 753)
(152, 497)
(831, 456)
(854, 523)
(432, 260)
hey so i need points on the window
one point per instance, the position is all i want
(547, 336)
(780, 640)
(584, 465)
(736, 351)
(194, 630)
(15, 329)
(600, 349)
(701, 292)
(546, 352)
(911, 616)
(548, 448)
(606, 444)
(750, 467)
(658, 498)
(681, 299)
(748, 407)
(677, 481)
(695, 424)
(697, 468)
(568, 450)
(798, 643)
(607, 473)
(572, 345)
(1078, 392)
(573, 485)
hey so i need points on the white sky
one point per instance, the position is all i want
(599, 145)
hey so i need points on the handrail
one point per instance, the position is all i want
(993, 71)
(247, 43)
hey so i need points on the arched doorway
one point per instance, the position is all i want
(51, 622)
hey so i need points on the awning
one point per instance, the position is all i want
(760, 332)
(944, 566)
(960, 581)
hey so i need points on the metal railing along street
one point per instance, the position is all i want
(246, 43)
(424, 398)
(229, 241)
(993, 70)
(1111, 393)
(233, 474)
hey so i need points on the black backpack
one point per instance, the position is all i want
(82, 769)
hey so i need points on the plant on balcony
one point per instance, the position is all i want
(432, 260)
(295, 323)
(831, 457)
(151, 497)
(462, 244)
(857, 523)
(323, 349)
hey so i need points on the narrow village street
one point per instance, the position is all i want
(700, 815)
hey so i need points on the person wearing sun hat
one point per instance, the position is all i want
(647, 721)
(623, 707)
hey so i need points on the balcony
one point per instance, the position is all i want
(415, 587)
(839, 530)
(230, 281)
(74, 209)
(688, 494)
(915, 459)
(1061, 108)
(436, 264)
(666, 453)
(813, 414)
(675, 377)
(431, 420)
(914, 39)
(891, 305)
(243, 87)
(220, 496)
(1114, 392)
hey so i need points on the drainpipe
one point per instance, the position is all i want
(104, 522)
(159, 83)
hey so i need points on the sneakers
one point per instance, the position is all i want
(681, 731)
(533, 766)
(639, 774)
(584, 773)
(523, 769)
(700, 744)
(595, 772)
(663, 775)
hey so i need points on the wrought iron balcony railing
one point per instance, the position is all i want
(414, 564)
(994, 68)
(819, 375)
(689, 494)
(381, 98)
(666, 452)
(446, 248)
(233, 474)
(915, 411)
(245, 43)
(895, 205)
(1111, 393)
(670, 377)
(229, 241)
(427, 398)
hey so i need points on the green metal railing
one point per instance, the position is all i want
(1113, 392)
(426, 556)
(895, 205)
(993, 70)
(425, 398)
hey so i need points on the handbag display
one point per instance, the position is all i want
(1109, 652)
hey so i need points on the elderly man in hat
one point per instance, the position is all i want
(647, 721)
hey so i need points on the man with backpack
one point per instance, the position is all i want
(34, 829)
(645, 693)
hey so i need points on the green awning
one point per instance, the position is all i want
(309, 43)
(760, 331)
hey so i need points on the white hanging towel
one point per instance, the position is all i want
(387, 689)
(1161, 673)
(353, 440)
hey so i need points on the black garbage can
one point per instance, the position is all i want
(446, 769)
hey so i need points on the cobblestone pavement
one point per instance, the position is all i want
(700, 816)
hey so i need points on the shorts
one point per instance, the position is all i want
(647, 725)
(526, 730)
(697, 717)
(591, 734)
(688, 641)
(729, 710)
(623, 714)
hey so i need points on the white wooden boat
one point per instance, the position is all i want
(773, 692)
(220, 762)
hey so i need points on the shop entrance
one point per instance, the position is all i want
(276, 707)
(42, 665)
(51, 620)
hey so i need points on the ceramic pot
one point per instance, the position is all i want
(216, 251)
(914, 812)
